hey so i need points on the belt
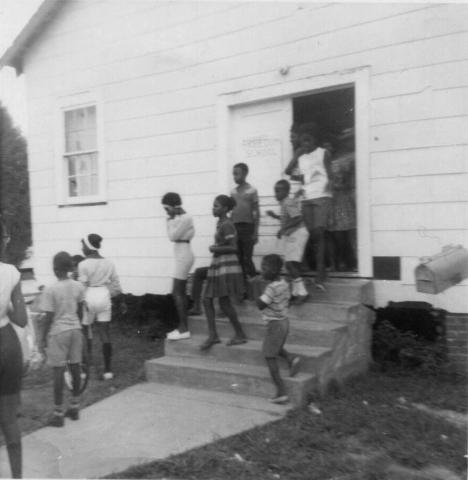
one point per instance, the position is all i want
(181, 241)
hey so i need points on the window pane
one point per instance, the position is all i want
(80, 129)
(83, 179)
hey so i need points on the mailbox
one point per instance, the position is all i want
(439, 272)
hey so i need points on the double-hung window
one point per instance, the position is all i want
(81, 171)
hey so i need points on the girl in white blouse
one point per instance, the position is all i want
(180, 231)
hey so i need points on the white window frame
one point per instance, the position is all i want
(75, 102)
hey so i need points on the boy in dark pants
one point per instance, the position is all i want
(274, 305)
(245, 217)
(62, 303)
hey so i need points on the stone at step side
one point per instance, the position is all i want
(209, 374)
(249, 353)
(317, 311)
(311, 333)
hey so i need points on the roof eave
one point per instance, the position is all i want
(14, 55)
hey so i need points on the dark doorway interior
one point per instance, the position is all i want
(333, 112)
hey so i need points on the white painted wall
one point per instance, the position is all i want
(160, 67)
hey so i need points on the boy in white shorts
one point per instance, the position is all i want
(295, 236)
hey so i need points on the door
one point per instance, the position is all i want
(259, 137)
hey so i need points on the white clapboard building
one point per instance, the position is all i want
(130, 99)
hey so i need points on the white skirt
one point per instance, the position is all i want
(183, 260)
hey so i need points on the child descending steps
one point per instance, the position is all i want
(224, 277)
(98, 274)
(274, 305)
(246, 217)
(180, 231)
(294, 235)
(62, 303)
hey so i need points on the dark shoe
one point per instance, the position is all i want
(280, 399)
(295, 365)
(73, 413)
(193, 312)
(56, 420)
(236, 341)
(208, 343)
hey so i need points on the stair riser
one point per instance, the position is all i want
(227, 382)
(314, 338)
(235, 355)
(306, 312)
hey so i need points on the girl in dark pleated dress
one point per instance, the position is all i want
(224, 274)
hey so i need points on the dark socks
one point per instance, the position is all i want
(107, 353)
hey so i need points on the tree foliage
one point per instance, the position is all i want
(14, 187)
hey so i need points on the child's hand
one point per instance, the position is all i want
(212, 248)
(271, 213)
(280, 233)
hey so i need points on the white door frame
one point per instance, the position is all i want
(360, 79)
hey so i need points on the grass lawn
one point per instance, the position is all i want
(363, 428)
(130, 351)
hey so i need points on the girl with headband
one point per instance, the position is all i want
(180, 231)
(98, 274)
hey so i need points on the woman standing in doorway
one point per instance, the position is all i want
(180, 231)
(12, 309)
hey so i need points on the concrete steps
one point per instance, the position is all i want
(249, 353)
(330, 332)
(211, 374)
(302, 331)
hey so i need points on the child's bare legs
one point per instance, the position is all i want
(298, 289)
(198, 278)
(88, 339)
(210, 318)
(104, 334)
(230, 312)
(11, 431)
(180, 300)
(273, 367)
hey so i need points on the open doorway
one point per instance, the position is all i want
(333, 113)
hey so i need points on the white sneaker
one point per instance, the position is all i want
(107, 376)
(176, 335)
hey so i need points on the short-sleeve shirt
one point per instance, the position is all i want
(9, 278)
(276, 296)
(290, 209)
(246, 198)
(62, 298)
(225, 232)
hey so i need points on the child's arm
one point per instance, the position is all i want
(46, 320)
(261, 304)
(18, 315)
(114, 286)
(229, 244)
(272, 214)
(294, 162)
(266, 298)
(327, 164)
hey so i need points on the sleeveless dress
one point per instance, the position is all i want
(225, 273)
(180, 230)
(11, 355)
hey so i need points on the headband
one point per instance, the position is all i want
(171, 206)
(86, 242)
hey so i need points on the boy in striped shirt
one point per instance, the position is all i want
(274, 306)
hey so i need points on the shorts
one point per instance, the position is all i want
(11, 361)
(294, 245)
(275, 337)
(63, 347)
(315, 212)
(183, 260)
(98, 305)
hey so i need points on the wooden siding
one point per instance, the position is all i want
(159, 68)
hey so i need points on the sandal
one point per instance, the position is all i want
(208, 343)
(236, 341)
